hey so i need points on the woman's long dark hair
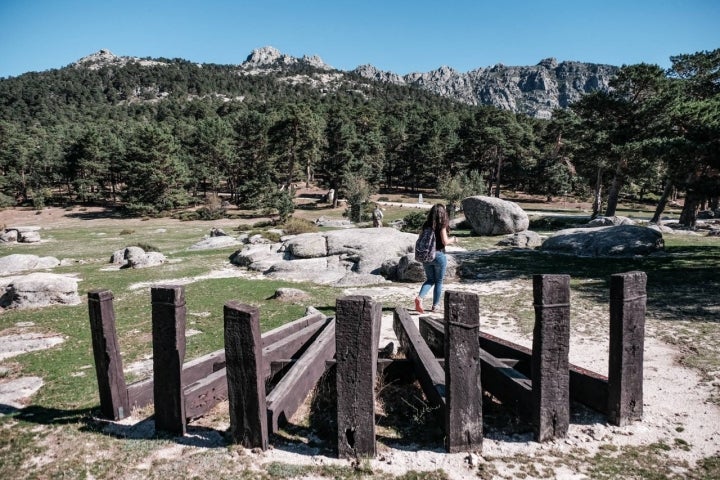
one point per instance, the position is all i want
(437, 218)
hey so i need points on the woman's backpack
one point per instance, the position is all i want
(425, 246)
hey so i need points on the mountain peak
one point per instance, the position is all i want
(268, 57)
(104, 58)
(101, 56)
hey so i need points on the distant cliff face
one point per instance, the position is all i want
(535, 91)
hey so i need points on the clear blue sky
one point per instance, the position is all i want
(396, 35)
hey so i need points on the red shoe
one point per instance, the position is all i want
(418, 305)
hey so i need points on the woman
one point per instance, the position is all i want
(438, 221)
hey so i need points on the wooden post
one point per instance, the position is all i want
(358, 318)
(168, 334)
(463, 392)
(114, 401)
(628, 298)
(550, 362)
(246, 382)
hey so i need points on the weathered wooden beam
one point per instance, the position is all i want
(290, 392)
(245, 379)
(290, 346)
(427, 368)
(201, 367)
(463, 392)
(586, 387)
(140, 393)
(283, 331)
(628, 297)
(356, 333)
(168, 334)
(204, 394)
(550, 354)
(506, 384)
(114, 403)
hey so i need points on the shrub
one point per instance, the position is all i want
(186, 216)
(205, 213)
(147, 247)
(263, 224)
(6, 200)
(295, 226)
(140, 209)
(414, 221)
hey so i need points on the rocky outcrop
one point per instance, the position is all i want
(340, 257)
(40, 290)
(136, 257)
(533, 90)
(18, 262)
(493, 216)
(20, 235)
(407, 269)
(213, 242)
(271, 58)
(105, 58)
(609, 221)
(524, 239)
(616, 241)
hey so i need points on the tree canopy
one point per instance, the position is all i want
(152, 137)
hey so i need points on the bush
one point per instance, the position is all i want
(263, 224)
(140, 210)
(147, 247)
(186, 216)
(296, 226)
(272, 236)
(206, 213)
(414, 221)
(6, 200)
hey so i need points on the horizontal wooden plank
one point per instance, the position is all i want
(427, 368)
(140, 393)
(204, 394)
(289, 328)
(291, 346)
(303, 375)
(586, 387)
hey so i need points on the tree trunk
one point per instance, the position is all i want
(614, 193)
(662, 203)
(497, 176)
(597, 199)
(688, 216)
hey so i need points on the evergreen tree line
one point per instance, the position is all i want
(154, 138)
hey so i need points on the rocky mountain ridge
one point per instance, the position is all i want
(532, 90)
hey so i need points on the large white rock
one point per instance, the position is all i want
(216, 241)
(347, 257)
(136, 257)
(40, 290)
(493, 216)
(18, 262)
(617, 241)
